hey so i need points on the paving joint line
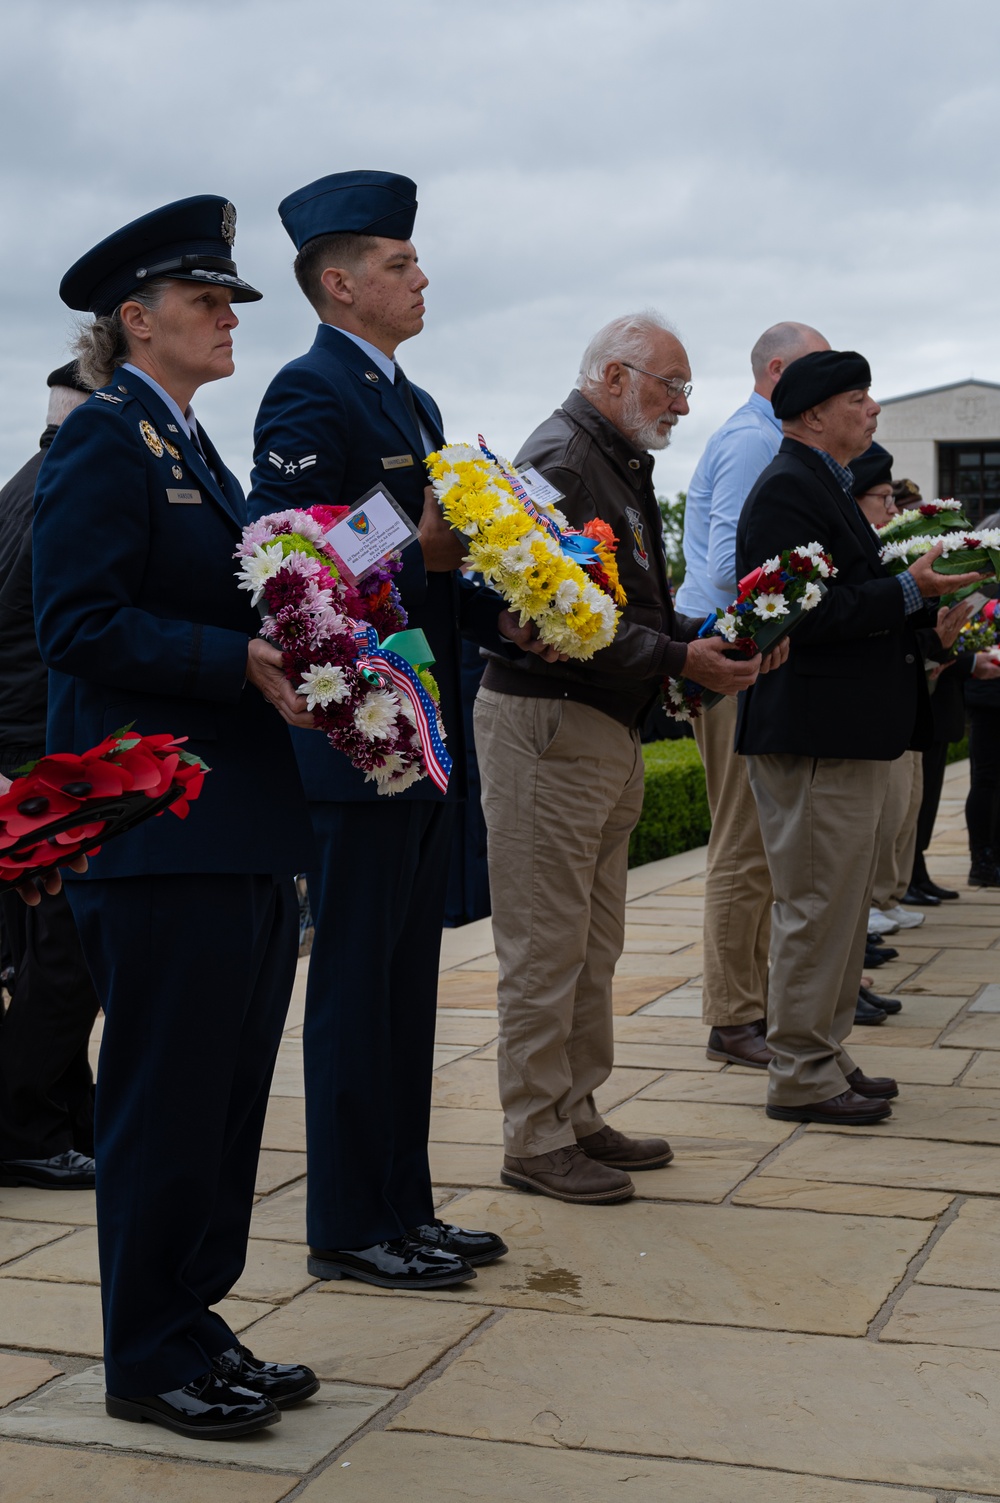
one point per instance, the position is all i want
(882, 1316)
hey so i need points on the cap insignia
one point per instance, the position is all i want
(229, 223)
(153, 439)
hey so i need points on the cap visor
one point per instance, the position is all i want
(242, 291)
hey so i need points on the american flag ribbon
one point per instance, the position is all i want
(404, 678)
(514, 481)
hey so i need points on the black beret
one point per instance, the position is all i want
(358, 203)
(812, 379)
(190, 240)
(68, 375)
(873, 467)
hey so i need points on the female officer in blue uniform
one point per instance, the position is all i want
(189, 928)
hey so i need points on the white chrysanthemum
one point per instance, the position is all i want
(567, 595)
(264, 563)
(324, 684)
(949, 505)
(518, 558)
(771, 565)
(768, 606)
(454, 454)
(811, 597)
(726, 626)
(375, 716)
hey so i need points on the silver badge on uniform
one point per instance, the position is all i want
(371, 375)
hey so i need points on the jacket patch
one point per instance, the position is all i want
(637, 525)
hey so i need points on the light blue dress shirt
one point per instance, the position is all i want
(388, 368)
(187, 420)
(734, 457)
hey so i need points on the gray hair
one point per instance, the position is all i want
(781, 341)
(626, 340)
(102, 346)
(62, 400)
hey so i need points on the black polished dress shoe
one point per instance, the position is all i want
(284, 1383)
(983, 871)
(473, 1247)
(207, 1409)
(403, 1263)
(864, 1012)
(67, 1171)
(874, 958)
(872, 1086)
(917, 897)
(934, 890)
(887, 1004)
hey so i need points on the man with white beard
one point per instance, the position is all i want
(562, 774)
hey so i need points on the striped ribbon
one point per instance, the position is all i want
(403, 677)
(522, 495)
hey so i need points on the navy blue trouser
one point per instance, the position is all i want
(368, 1042)
(194, 974)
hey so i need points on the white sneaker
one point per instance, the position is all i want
(880, 923)
(904, 917)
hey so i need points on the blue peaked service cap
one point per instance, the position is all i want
(190, 240)
(358, 203)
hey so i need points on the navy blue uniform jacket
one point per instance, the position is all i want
(331, 426)
(140, 618)
(854, 683)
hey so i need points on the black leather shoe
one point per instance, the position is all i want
(864, 1012)
(933, 890)
(882, 1087)
(207, 1409)
(983, 871)
(472, 1247)
(67, 1171)
(403, 1263)
(887, 1004)
(919, 897)
(877, 942)
(284, 1383)
(873, 959)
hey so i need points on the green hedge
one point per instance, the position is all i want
(675, 813)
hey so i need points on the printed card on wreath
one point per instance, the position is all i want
(563, 579)
(772, 601)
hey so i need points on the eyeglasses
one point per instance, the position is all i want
(674, 384)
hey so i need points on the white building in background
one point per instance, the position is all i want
(947, 439)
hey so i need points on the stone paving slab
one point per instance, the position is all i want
(465, 989)
(946, 1317)
(702, 1120)
(387, 1343)
(43, 1316)
(440, 1469)
(892, 1034)
(20, 1376)
(981, 1032)
(72, 1412)
(987, 1001)
(276, 1168)
(33, 1474)
(910, 1066)
(853, 1200)
(689, 1263)
(675, 1005)
(456, 1124)
(966, 1254)
(287, 1080)
(957, 1114)
(285, 1123)
(959, 973)
(984, 1070)
(910, 1163)
(656, 1057)
(453, 1029)
(857, 1410)
(920, 1011)
(20, 1237)
(472, 1082)
(63, 1207)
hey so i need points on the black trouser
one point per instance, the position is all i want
(983, 803)
(46, 1085)
(935, 759)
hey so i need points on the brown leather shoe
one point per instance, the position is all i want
(872, 1085)
(609, 1146)
(846, 1110)
(568, 1174)
(745, 1044)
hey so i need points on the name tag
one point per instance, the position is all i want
(184, 498)
(397, 462)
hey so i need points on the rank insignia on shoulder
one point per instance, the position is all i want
(152, 438)
(291, 467)
(105, 396)
(371, 375)
(171, 449)
(177, 472)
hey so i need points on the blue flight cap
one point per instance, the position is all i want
(359, 203)
(190, 240)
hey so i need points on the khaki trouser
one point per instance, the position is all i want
(562, 792)
(819, 818)
(898, 833)
(737, 881)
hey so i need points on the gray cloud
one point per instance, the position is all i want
(732, 165)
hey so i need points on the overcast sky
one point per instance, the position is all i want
(731, 164)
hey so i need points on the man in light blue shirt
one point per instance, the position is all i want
(737, 882)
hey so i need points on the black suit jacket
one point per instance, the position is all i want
(854, 682)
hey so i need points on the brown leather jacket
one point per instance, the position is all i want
(601, 474)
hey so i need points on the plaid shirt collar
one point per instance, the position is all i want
(843, 476)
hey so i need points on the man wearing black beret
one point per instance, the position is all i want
(821, 736)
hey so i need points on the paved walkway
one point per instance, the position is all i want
(784, 1314)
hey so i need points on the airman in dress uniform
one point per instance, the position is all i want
(188, 928)
(333, 424)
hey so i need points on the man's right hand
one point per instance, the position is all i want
(264, 672)
(933, 585)
(707, 666)
(443, 548)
